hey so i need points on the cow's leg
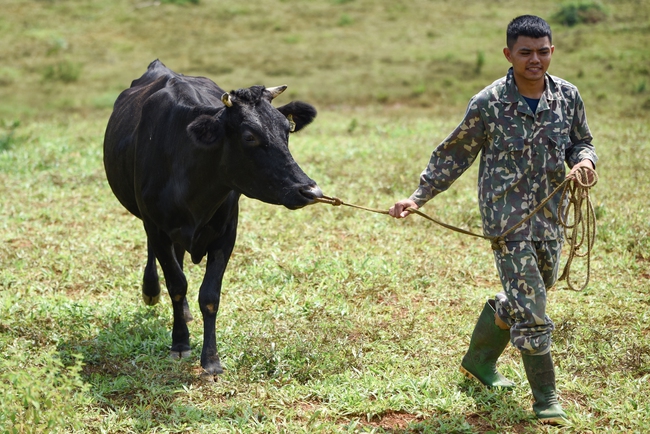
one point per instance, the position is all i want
(164, 251)
(150, 281)
(180, 257)
(210, 295)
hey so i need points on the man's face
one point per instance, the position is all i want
(530, 58)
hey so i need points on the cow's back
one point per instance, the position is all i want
(158, 83)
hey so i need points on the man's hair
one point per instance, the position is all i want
(527, 25)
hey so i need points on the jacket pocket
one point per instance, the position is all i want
(509, 154)
(505, 166)
(555, 155)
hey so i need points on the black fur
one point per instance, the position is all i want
(177, 158)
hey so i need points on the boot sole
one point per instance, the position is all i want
(555, 421)
(471, 376)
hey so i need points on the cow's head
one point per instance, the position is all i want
(252, 137)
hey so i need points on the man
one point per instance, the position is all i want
(525, 126)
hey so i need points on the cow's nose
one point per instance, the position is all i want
(311, 192)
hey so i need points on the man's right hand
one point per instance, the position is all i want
(399, 210)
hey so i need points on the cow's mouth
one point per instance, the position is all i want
(307, 195)
(311, 193)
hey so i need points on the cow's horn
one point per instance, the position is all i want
(275, 91)
(225, 99)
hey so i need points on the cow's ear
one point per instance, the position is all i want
(205, 130)
(301, 113)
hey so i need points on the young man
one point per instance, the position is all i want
(525, 127)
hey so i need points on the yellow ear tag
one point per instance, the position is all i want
(292, 124)
(225, 99)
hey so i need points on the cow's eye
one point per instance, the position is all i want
(249, 138)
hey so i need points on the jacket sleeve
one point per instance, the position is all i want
(580, 147)
(453, 156)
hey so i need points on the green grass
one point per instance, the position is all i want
(76, 56)
(332, 319)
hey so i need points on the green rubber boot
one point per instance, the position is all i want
(487, 343)
(541, 376)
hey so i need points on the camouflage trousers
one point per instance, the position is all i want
(527, 270)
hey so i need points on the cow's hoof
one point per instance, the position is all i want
(213, 367)
(207, 377)
(177, 355)
(149, 300)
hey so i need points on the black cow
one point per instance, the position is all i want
(178, 153)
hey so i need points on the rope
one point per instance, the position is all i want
(575, 192)
(335, 201)
(584, 223)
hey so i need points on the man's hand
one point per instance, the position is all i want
(399, 210)
(583, 163)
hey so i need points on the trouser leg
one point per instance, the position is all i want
(526, 270)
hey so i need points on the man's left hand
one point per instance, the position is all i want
(583, 163)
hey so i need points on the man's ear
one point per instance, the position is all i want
(205, 130)
(507, 53)
(301, 113)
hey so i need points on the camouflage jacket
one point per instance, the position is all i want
(522, 155)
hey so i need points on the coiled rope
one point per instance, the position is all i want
(577, 218)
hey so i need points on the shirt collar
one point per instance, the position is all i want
(510, 93)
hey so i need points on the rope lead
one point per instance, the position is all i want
(575, 193)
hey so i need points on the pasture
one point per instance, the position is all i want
(332, 319)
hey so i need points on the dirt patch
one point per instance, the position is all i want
(483, 426)
(478, 422)
(20, 243)
(393, 420)
(577, 398)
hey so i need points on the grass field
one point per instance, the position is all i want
(332, 320)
